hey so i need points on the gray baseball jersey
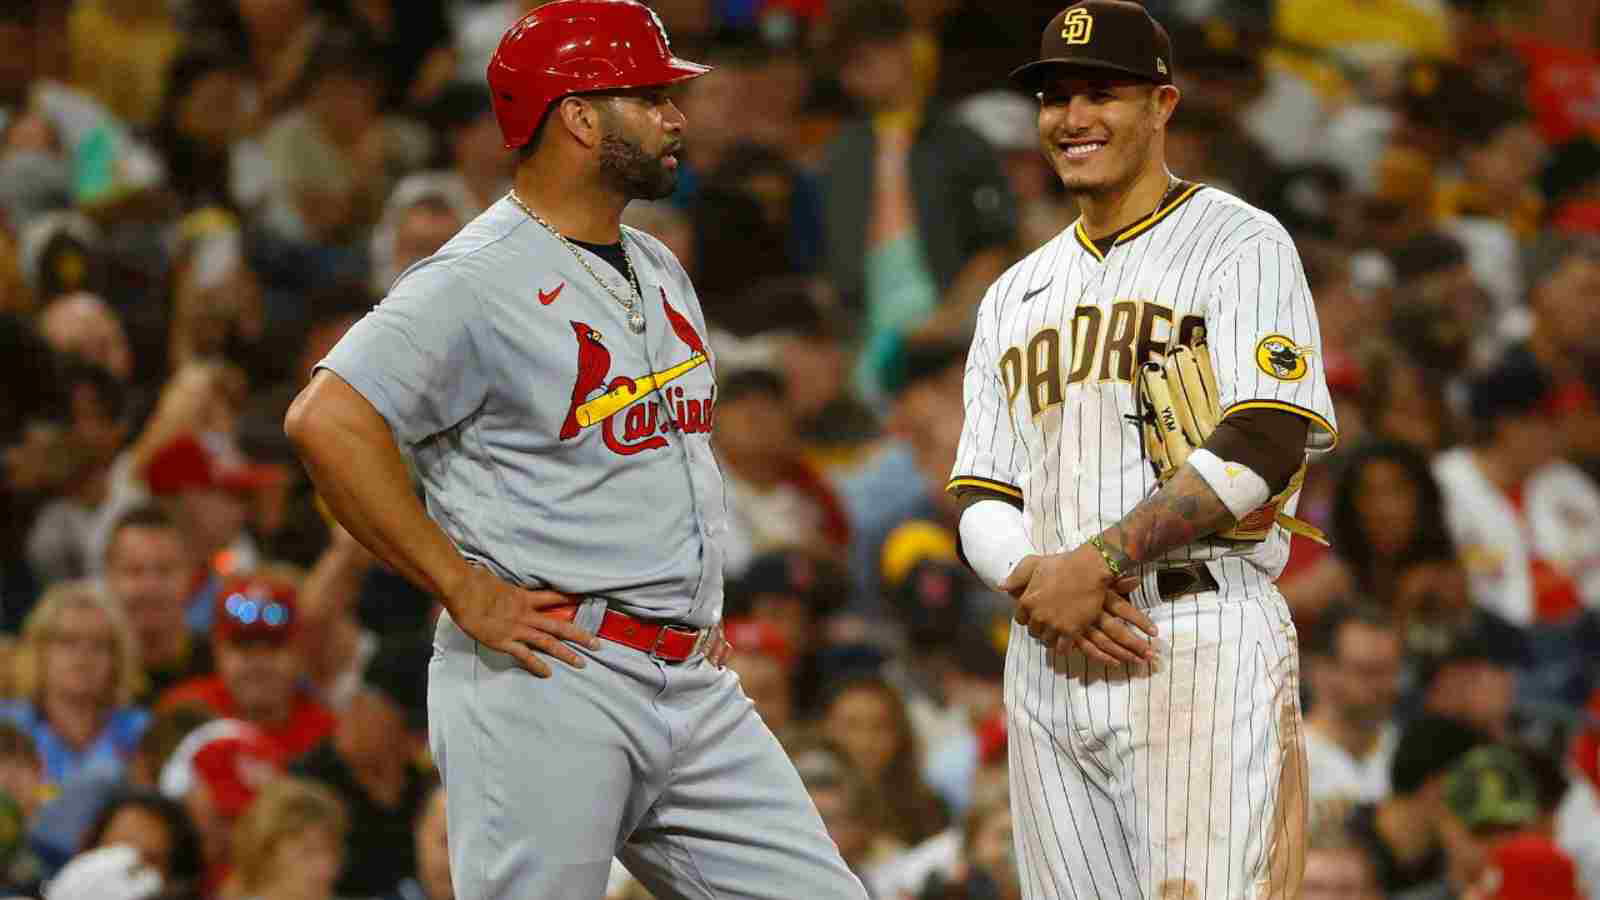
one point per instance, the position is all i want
(554, 445)
(559, 448)
(1184, 778)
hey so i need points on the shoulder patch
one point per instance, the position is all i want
(1282, 358)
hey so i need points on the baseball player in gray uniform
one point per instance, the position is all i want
(1141, 397)
(546, 377)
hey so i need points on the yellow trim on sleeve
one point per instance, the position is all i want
(1301, 411)
(985, 484)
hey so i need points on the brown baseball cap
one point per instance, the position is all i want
(1109, 35)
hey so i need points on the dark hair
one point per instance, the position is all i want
(1425, 254)
(110, 392)
(1324, 638)
(747, 159)
(914, 812)
(868, 22)
(1428, 747)
(1549, 778)
(16, 742)
(186, 860)
(21, 15)
(167, 730)
(344, 52)
(786, 303)
(460, 103)
(147, 515)
(1351, 539)
(29, 388)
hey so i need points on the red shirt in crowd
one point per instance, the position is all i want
(308, 722)
(1563, 88)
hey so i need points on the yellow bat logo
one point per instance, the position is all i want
(621, 397)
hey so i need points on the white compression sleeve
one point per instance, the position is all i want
(994, 540)
(1239, 488)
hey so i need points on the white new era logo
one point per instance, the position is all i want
(1161, 65)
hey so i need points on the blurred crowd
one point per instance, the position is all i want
(211, 691)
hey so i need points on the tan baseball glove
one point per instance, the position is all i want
(1178, 402)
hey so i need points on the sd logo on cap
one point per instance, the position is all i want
(1106, 35)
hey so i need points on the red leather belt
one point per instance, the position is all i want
(670, 643)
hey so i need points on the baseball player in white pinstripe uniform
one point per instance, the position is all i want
(1141, 397)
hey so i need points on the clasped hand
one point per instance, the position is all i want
(1073, 601)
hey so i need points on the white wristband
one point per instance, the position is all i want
(1239, 488)
(994, 540)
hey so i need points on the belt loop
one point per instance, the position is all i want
(655, 645)
(591, 613)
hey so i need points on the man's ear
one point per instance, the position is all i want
(1165, 99)
(581, 118)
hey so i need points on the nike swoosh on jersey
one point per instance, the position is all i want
(1035, 292)
(545, 299)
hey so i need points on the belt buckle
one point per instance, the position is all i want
(655, 646)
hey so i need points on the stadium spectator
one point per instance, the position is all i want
(422, 212)
(289, 843)
(62, 537)
(202, 119)
(1338, 866)
(904, 480)
(432, 879)
(1008, 122)
(472, 154)
(1528, 525)
(849, 803)
(776, 497)
(868, 719)
(1350, 730)
(1489, 796)
(918, 213)
(216, 773)
(208, 493)
(1472, 677)
(331, 155)
(765, 665)
(1400, 831)
(157, 827)
(1526, 867)
(147, 574)
(1564, 273)
(371, 763)
(76, 677)
(257, 680)
(796, 593)
(83, 325)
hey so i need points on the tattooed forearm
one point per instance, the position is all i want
(1183, 511)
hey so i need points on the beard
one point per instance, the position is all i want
(635, 173)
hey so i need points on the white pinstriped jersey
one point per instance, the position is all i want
(1050, 405)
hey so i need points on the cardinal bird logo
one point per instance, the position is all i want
(682, 328)
(594, 363)
(629, 426)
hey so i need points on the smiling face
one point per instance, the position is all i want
(1100, 133)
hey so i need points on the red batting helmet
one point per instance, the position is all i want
(573, 46)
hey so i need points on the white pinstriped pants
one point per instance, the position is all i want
(1181, 780)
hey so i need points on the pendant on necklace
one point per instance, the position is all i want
(636, 321)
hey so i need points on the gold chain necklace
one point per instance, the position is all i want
(630, 304)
